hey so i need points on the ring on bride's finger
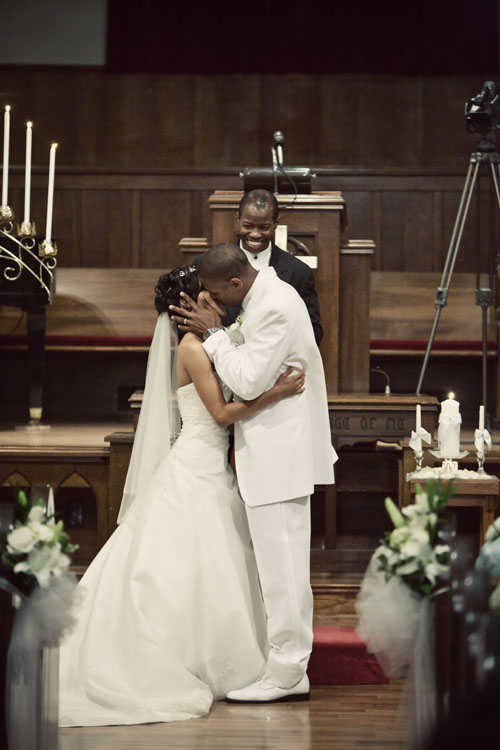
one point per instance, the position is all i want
(185, 321)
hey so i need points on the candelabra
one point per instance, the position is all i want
(18, 252)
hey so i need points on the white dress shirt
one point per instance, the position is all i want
(258, 260)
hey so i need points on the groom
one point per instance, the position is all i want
(280, 454)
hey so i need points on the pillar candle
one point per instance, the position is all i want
(27, 173)
(50, 192)
(449, 427)
(6, 138)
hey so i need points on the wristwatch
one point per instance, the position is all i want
(209, 331)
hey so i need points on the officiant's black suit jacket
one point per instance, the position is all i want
(296, 273)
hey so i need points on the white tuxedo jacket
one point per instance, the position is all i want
(284, 450)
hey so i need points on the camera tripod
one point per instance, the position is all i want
(484, 297)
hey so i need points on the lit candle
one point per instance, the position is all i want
(6, 138)
(449, 427)
(50, 193)
(27, 174)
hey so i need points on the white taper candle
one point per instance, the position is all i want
(6, 139)
(50, 192)
(27, 173)
(419, 418)
(481, 417)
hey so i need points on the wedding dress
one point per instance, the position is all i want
(171, 615)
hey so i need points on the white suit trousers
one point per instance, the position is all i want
(281, 536)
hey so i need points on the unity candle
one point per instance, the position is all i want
(449, 427)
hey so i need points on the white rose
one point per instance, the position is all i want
(41, 532)
(20, 540)
(36, 514)
(417, 545)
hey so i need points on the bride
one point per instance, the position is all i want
(170, 615)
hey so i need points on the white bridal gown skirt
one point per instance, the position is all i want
(170, 614)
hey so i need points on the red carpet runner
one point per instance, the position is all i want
(339, 657)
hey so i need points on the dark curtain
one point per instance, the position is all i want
(340, 36)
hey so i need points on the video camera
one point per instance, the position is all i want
(481, 114)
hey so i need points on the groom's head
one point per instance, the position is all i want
(226, 273)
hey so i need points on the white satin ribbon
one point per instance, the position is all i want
(416, 438)
(446, 420)
(480, 438)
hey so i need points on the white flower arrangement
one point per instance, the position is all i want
(412, 550)
(36, 549)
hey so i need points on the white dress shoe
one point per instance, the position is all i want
(263, 692)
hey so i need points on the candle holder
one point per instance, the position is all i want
(19, 251)
(26, 229)
(6, 213)
(419, 457)
(480, 462)
(47, 249)
(450, 463)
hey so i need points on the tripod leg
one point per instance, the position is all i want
(451, 257)
(429, 347)
(458, 229)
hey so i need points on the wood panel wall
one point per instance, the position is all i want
(148, 122)
(140, 154)
(135, 220)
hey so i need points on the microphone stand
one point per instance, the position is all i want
(275, 169)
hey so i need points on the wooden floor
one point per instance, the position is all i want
(338, 717)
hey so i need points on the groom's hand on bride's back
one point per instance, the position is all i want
(196, 317)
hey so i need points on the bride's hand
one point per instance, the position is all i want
(290, 383)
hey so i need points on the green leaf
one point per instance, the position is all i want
(394, 513)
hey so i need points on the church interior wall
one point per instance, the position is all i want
(139, 154)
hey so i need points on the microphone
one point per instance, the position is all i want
(278, 147)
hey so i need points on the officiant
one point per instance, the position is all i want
(258, 216)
